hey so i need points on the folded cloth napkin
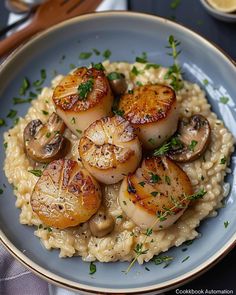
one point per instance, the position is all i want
(15, 279)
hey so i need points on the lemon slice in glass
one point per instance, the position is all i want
(223, 5)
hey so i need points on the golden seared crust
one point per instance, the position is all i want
(66, 94)
(102, 145)
(147, 104)
(163, 184)
(65, 195)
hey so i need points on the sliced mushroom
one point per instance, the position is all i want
(117, 83)
(194, 134)
(101, 223)
(45, 142)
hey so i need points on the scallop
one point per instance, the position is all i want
(83, 97)
(153, 110)
(155, 196)
(110, 149)
(65, 195)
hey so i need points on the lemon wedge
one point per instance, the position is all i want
(223, 5)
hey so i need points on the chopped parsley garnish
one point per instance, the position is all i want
(147, 268)
(48, 229)
(24, 86)
(192, 145)
(12, 114)
(36, 172)
(130, 188)
(98, 66)
(92, 268)
(85, 55)
(166, 260)
(72, 66)
(43, 76)
(5, 145)
(73, 120)
(1, 191)
(85, 88)
(2, 122)
(32, 94)
(45, 112)
(106, 54)
(130, 91)
(154, 194)
(226, 223)
(96, 51)
(78, 131)
(224, 99)
(154, 66)
(167, 180)
(186, 258)
(154, 177)
(18, 100)
(16, 121)
(138, 83)
(119, 112)
(223, 160)
(205, 82)
(119, 217)
(40, 226)
(142, 59)
(142, 183)
(189, 242)
(48, 134)
(151, 140)
(135, 71)
(202, 177)
(124, 202)
(114, 76)
(174, 4)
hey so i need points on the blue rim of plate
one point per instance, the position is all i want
(62, 282)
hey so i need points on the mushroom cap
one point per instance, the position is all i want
(44, 142)
(101, 223)
(194, 134)
(117, 83)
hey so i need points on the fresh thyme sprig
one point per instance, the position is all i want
(174, 72)
(139, 248)
(174, 143)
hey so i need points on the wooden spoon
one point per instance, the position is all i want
(48, 14)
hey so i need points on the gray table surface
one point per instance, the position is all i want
(191, 14)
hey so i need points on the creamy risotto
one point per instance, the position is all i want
(207, 172)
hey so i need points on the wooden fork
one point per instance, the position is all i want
(49, 13)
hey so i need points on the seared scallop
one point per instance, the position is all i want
(110, 149)
(153, 110)
(65, 195)
(155, 196)
(83, 97)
